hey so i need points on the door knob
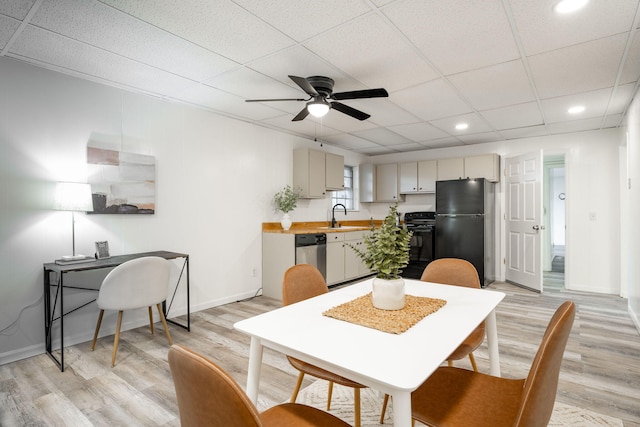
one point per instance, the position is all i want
(536, 227)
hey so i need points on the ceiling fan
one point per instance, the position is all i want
(321, 98)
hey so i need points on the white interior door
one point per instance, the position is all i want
(524, 220)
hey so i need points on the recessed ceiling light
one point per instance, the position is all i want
(462, 126)
(568, 6)
(576, 109)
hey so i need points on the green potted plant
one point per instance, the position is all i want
(286, 201)
(387, 253)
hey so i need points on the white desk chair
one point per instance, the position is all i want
(138, 283)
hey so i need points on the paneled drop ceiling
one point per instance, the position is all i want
(508, 68)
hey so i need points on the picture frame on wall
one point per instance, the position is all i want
(102, 250)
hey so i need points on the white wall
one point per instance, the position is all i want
(631, 200)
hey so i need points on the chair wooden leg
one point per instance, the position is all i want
(151, 320)
(473, 362)
(329, 394)
(116, 340)
(356, 406)
(384, 408)
(95, 335)
(450, 363)
(296, 390)
(164, 323)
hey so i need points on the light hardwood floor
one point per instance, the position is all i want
(600, 372)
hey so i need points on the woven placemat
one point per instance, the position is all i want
(362, 312)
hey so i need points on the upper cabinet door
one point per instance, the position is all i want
(309, 173)
(408, 177)
(485, 166)
(334, 178)
(387, 183)
(427, 176)
(451, 169)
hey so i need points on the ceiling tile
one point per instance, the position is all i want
(49, 49)
(8, 26)
(16, 8)
(631, 69)
(250, 84)
(613, 121)
(351, 142)
(576, 125)
(622, 97)
(104, 27)
(579, 68)
(525, 132)
(369, 49)
(298, 61)
(495, 86)
(514, 116)
(481, 138)
(443, 142)
(430, 100)
(211, 24)
(543, 30)
(308, 127)
(595, 103)
(337, 120)
(405, 148)
(383, 112)
(382, 136)
(447, 32)
(475, 122)
(419, 132)
(303, 20)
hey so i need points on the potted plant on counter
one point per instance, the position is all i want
(387, 253)
(286, 201)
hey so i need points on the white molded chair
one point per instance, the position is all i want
(138, 283)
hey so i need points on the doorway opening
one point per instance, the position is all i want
(554, 208)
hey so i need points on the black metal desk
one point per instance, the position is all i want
(58, 288)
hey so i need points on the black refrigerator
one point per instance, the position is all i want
(465, 224)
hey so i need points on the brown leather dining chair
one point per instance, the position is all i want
(460, 397)
(301, 282)
(457, 272)
(208, 396)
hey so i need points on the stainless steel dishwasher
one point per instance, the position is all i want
(312, 249)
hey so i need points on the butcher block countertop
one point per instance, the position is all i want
(320, 227)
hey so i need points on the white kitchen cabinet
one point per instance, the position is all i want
(354, 267)
(386, 183)
(335, 258)
(484, 166)
(451, 168)
(315, 171)
(278, 254)
(366, 172)
(334, 170)
(418, 177)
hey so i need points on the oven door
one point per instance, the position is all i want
(421, 251)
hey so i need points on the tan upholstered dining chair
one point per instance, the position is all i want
(458, 272)
(460, 397)
(138, 283)
(301, 282)
(208, 396)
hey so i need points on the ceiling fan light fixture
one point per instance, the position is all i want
(318, 108)
(568, 6)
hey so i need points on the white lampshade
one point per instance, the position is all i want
(318, 108)
(73, 196)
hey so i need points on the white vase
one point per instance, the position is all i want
(286, 221)
(388, 294)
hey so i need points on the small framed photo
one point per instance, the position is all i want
(102, 250)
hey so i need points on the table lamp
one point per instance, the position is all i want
(74, 197)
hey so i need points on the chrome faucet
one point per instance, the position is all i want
(333, 213)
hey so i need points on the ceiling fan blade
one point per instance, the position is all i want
(359, 94)
(304, 85)
(357, 114)
(275, 99)
(301, 115)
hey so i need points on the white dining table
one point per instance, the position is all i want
(395, 364)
